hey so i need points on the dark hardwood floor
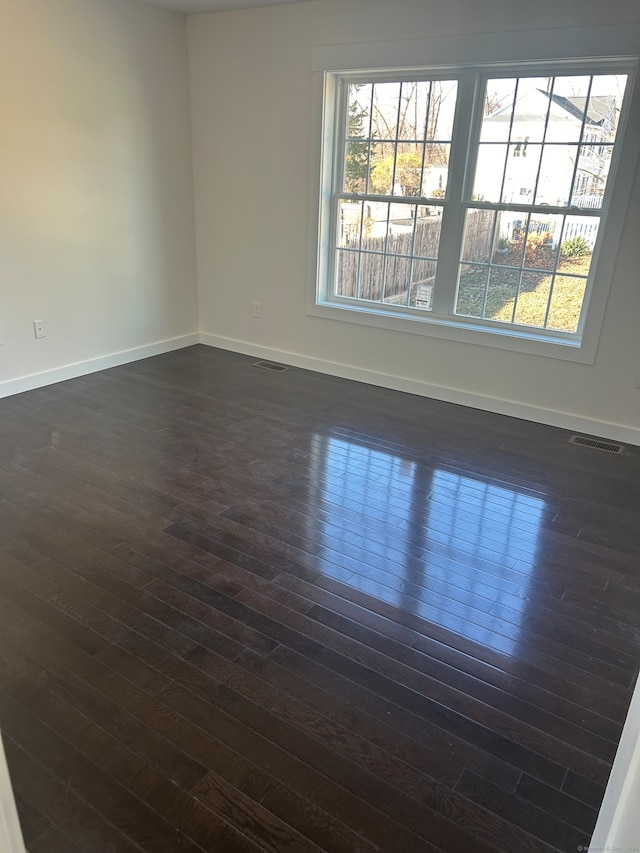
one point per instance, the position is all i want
(243, 610)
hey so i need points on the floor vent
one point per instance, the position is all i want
(597, 444)
(271, 365)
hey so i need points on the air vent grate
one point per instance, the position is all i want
(271, 365)
(597, 444)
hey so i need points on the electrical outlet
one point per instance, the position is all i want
(38, 328)
(257, 309)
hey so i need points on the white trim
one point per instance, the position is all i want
(92, 365)
(497, 336)
(11, 840)
(618, 825)
(563, 420)
(520, 46)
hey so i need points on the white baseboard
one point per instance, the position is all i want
(564, 420)
(92, 365)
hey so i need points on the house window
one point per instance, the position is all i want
(475, 200)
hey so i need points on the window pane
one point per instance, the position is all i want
(358, 131)
(501, 294)
(375, 225)
(386, 106)
(356, 166)
(414, 108)
(566, 303)
(472, 287)
(506, 249)
(498, 110)
(436, 170)
(423, 276)
(401, 229)
(567, 98)
(400, 173)
(442, 107)
(349, 224)
(427, 237)
(578, 240)
(347, 274)
(396, 282)
(523, 162)
(489, 172)
(508, 246)
(371, 276)
(531, 109)
(556, 175)
(478, 235)
(592, 175)
(543, 233)
(359, 109)
(605, 102)
(533, 299)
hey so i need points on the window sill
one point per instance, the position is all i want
(463, 330)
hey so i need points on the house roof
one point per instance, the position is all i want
(600, 108)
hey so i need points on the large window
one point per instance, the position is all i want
(471, 199)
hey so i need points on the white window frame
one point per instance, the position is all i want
(595, 50)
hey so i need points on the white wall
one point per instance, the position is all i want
(96, 203)
(252, 129)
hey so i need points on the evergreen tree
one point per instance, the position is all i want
(357, 160)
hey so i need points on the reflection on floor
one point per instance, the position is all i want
(451, 548)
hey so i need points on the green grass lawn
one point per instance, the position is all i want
(533, 298)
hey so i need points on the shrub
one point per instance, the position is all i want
(575, 247)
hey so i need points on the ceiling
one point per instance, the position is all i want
(189, 7)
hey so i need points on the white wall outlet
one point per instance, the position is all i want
(257, 309)
(38, 328)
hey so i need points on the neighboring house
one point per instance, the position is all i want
(540, 145)
(542, 173)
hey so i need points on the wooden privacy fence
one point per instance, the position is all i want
(400, 268)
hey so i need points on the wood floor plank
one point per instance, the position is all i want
(199, 827)
(296, 772)
(53, 841)
(437, 652)
(32, 822)
(522, 813)
(480, 614)
(365, 701)
(388, 675)
(425, 636)
(86, 826)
